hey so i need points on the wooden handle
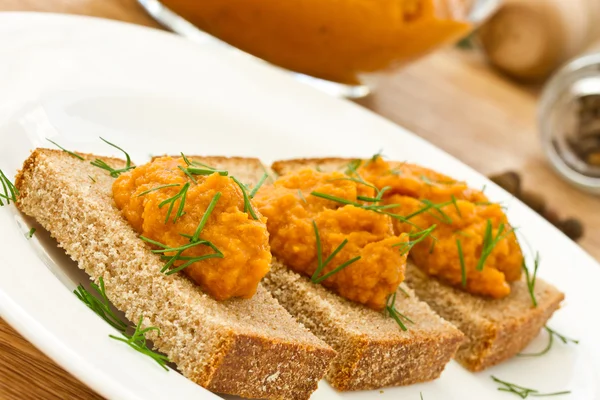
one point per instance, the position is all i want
(528, 39)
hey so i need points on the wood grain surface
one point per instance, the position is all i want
(450, 98)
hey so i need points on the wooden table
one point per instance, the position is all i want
(450, 98)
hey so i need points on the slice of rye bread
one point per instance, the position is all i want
(252, 348)
(496, 330)
(373, 351)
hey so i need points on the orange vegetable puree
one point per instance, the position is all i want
(335, 39)
(464, 220)
(243, 241)
(291, 209)
(416, 181)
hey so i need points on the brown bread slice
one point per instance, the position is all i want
(373, 351)
(496, 330)
(252, 348)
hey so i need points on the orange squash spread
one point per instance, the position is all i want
(336, 40)
(461, 214)
(416, 181)
(291, 209)
(242, 240)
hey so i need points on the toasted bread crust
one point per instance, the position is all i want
(252, 348)
(373, 351)
(496, 330)
(326, 164)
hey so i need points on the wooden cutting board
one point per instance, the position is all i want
(449, 98)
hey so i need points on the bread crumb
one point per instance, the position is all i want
(273, 378)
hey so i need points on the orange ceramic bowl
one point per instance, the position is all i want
(336, 40)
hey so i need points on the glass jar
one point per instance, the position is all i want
(569, 120)
(343, 44)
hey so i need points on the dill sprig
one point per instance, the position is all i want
(463, 268)
(352, 166)
(157, 188)
(463, 233)
(178, 254)
(30, 233)
(194, 240)
(379, 192)
(100, 305)
(551, 334)
(112, 171)
(370, 207)
(10, 191)
(206, 171)
(378, 197)
(390, 309)
(419, 236)
(381, 208)
(354, 176)
(456, 206)
(198, 168)
(426, 180)
(562, 338)
(400, 288)
(490, 241)
(397, 171)
(375, 156)
(322, 264)
(271, 178)
(65, 150)
(185, 159)
(256, 188)
(178, 257)
(523, 392)
(531, 277)
(301, 195)
(431, 206)
(247, 205)
(204, 220)
(187, 172)
(356, 180)
(437, 207)
(181, 196)
(352, 171)
(137, 340)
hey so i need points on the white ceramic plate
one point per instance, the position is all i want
(73, 79)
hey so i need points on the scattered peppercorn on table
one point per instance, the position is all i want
(449, 98)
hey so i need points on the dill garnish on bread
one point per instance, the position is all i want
(384, 337)
(247, 347)
(470, 268)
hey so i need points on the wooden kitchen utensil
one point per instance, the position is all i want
(529, 39)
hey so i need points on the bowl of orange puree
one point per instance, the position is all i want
(343, 44)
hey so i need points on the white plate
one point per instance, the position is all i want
(73, 79)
